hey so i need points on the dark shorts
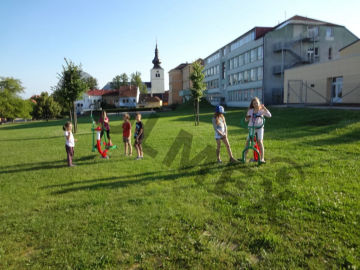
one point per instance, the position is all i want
(107, 133)
(126, 140)
(138, 141)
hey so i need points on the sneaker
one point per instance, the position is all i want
(219, 161)
(138, 158)
(72, 165)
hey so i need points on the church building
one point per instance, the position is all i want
(157, 75)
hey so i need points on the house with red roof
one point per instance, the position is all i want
(125, 96)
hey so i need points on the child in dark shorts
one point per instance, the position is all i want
(126, 126)
(139, 136)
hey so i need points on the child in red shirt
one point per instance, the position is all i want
(126, 126)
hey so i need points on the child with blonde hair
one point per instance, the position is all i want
(254, 116)
(220, 128)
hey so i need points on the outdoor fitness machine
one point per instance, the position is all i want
(97, 145)
(253, 138)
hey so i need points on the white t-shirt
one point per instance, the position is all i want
(221, 127)
(257, 121)
(71, 141)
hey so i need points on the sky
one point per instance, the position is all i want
(111, 37)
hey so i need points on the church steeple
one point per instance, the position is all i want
(156, 60)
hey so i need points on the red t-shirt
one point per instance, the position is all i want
(126, 129)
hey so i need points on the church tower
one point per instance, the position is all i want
(157, 75)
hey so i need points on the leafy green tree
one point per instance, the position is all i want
(13, 86)
(46, 107)
(197, 89)
(70, 88)
(11, 105)
(116, 82)
(120, 80)
(91, 82)
(124, 79)
(136, 80)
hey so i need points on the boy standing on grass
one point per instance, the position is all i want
(126, 126)
(139, 136)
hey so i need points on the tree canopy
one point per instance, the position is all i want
(11, 104)
(46, 107)
(70, 88)
(198, 86)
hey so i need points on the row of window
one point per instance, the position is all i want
(128, 100)
(213, 58)
(244, 95)
(249, 37)
(251, 75)
(212, 84)
(212, 71)
(246, 58)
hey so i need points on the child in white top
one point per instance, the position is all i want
(220, 128)
(69, 143)
(254, 117)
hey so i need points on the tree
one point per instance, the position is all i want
(198, 87)
(124, 79)
(13, 86)
(136, 80)
(91, 82)
(116, 82)
(46, 107)
(70, 88)
(120, 80)
(11, 105)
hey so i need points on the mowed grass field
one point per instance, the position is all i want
(301, 210)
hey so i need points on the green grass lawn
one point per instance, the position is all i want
(167, 211)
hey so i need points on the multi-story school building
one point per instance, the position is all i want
(254, 63)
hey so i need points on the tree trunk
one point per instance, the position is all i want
(70, 114)
(75, 119)
(197, 112)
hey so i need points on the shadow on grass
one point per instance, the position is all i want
(127, 180)
(37, 124)
(31, 139)
(24, 167)
(350, 137)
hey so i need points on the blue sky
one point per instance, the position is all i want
(111, 37)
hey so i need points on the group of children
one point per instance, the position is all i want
(254, 116)
(255, 112)
(104, 121)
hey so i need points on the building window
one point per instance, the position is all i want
(253, 55)
(241, 60)
(329, 32)
(330, 53)
(241, 77)
(247, 58)
(223, 70)
(231, 63)
(253, 74)
(260, 73)
(235, 62)
(260, 53)
(246, 76)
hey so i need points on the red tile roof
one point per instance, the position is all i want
(123, 91)
(306, 19)
(96, 92)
